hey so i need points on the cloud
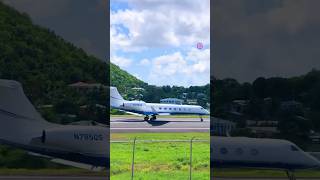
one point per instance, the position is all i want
(161, 24)
(201, 59)
(178, 69)
(161, 35)
(144, 62)
(121, 61)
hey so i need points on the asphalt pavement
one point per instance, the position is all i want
(137, 124)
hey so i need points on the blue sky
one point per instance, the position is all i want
(155, 40)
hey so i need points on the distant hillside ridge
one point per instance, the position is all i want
(45, 63)
(123, 80)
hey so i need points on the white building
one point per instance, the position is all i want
(171, 101)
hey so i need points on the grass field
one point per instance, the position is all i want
(160, 160)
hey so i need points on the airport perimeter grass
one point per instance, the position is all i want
(160, 160)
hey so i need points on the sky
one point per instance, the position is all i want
(265, 38)
(156, 40)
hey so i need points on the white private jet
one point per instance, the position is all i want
(243, 152)
(23, 127)
(152, 109)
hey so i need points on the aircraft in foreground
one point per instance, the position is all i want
(243, 152)
(23, 127)
(152, 109)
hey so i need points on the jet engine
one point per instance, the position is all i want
(134, 105)
(80, 139)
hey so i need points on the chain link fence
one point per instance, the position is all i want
(179, 159)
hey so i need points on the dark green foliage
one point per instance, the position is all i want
(123, 80)
(304, 89)
(42, 61)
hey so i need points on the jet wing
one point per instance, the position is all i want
(68, 163)
(128, 112)
(164, 114)
(78, 165)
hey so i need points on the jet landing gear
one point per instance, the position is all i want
(153, 117)
(201, 119)
(290, 175)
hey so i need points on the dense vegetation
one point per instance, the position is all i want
(265, 97)
(46, 64)
(123, 80)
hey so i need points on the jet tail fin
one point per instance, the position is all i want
(14, 102)
(116, 100)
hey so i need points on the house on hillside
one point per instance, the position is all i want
(291, 106)
(171, 101)
(87, 87)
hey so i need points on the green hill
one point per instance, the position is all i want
(123, 80)
(45, 63)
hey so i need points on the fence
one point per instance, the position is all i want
(189, 144)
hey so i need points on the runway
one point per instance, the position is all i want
(137, 124)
